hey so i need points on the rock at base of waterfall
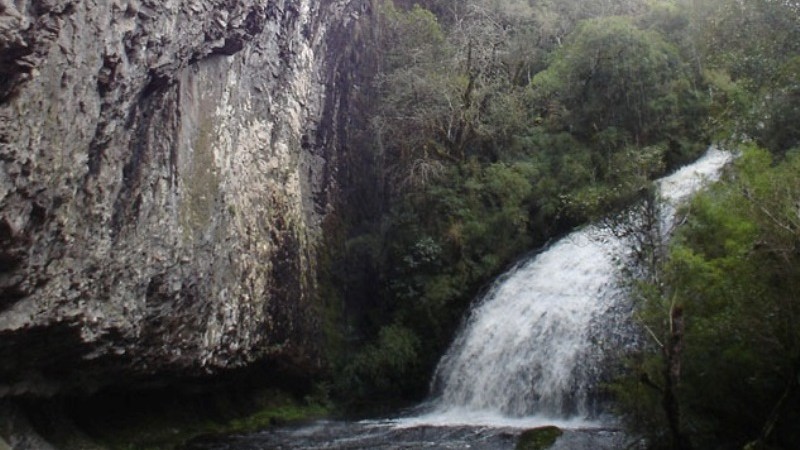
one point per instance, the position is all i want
(538, 438)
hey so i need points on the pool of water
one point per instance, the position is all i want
(410, 433)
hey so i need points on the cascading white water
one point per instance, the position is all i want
(533, 346)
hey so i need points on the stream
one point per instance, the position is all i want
(393, 435)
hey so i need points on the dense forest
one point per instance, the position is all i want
(493, 126)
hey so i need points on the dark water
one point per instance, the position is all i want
(389, 435)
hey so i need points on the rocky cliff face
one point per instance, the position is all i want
(163, 179)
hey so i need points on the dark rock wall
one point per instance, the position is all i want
(163, 180)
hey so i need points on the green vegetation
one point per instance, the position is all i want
(732, 272)
(538, 438)
(494, 126)
(718, 305)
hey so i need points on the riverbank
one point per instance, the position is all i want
(158, 419)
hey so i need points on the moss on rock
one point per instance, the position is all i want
(538, 438)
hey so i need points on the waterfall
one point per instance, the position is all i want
(534, 345)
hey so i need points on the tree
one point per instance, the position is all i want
(610, 75)
(445, 97)
(748, 50)
(643, 228)
(726, 292)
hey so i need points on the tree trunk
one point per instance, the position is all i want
(672, 375)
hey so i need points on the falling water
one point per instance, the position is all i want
(534, 346)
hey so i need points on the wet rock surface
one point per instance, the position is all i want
(163, 178)
(386, 435)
